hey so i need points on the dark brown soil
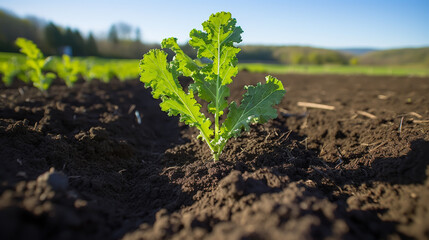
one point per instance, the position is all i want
(76, 164)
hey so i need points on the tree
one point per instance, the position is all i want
(68, 37)
(124, 30)
(353, 61)
(297, 58)
(54, 36)
(315, 58)
(91, 46)
(138, 35)
(78, 44)
(113, 34)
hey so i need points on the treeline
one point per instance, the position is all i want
(12, 27)
(52, 39)
(56, 40)
(69, 41)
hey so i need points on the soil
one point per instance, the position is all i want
(79, 163)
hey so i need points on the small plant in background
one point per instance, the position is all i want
(210, 83)
(69, 70)
(10, 70)
(125, 70)
(101, 72)
(87, 64)
(40, 71)
(34, 64)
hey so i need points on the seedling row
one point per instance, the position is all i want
(39, 70)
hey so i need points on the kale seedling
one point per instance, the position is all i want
(69, 70)
(10, 70)
(34, 64)
(210, 83)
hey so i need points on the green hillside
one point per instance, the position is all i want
(396, 57)
(297, 55)
(292, 55)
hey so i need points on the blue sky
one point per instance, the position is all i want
(320, 23)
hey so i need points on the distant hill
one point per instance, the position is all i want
(318, 56)
(356, 51)
(404, 56)
(291, 55)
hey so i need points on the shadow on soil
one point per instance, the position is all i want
(408, 169)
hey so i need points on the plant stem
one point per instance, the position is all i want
(218, 84)
(216, 156)
(212, 148)
(216, 126)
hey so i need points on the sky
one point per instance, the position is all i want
(378, 24)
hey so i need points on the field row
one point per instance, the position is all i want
(336, 69)
(32, 66)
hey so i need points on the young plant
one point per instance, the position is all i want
(69, 70)
(101, 72)
(34, 64)
(10, 70)
(124, 70)
(87, 65)
(210, 83)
